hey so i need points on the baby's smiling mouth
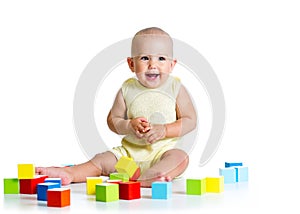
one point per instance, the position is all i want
(152, 76)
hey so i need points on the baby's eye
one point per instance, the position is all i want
(144, 58)
(161, 58)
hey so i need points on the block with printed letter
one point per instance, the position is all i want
(91, 184)
(26, 171)
(215, 184)
(241, 173)
(229, 174)
(11, 185)
(29, 186)
(126, 165)
(195, 186)
(107, 192)
(58, 197)
(42, 189)
(161, 190)
(129, 190)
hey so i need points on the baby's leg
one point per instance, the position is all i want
(171, 164)
(100, 164)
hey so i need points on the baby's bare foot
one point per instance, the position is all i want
(56, 172)
(149, 177)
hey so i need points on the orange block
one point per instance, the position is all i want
(58, 197)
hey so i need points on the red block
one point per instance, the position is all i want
(136, 175)
(129, 190)
(58, 197)
(28, 186)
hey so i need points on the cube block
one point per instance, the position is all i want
(161, 190)
(11, 185)
(91, 184)
(29, 186)
(215, 184)
(231, 164)
(107, 192)
(229, 174)
(53, 180)
(126, 165)
(26, 171)
(129, 190)
(58, 197)
(241, 173)
(42, 189)
(195, 186)
(119, 176)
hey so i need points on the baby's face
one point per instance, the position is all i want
(151, 70)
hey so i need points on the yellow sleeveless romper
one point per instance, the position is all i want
(158, 106)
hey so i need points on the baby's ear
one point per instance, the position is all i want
(130, 63)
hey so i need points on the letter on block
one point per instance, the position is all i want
(126, 165)
(11, 185)
(129, 190)
(91, 184)
(29, 186)
(26, 171)
(241, 173)
(161, 190)
(195, 186)
(229, 174)
(106, 192)
(42, 189)
(215, 184)
(58, 197)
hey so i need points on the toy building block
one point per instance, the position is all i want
(231, 164)
(58, 197)
(136, 175)
(129, 190)
(126, 165)
(161, 190)
(241, 173)
(26, 171)
(42, 189)
(215, 184)
(107, 192)
(53, 180)
(119, 176)
(229, 174)
(91, 184)
(195, 186)
(11, 185)
(29, 186)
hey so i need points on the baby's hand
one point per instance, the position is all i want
(156, 133)
(140, 126)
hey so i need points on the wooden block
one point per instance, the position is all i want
(42, 189)
(58, 197)
(119, 176)
(91, 184)
(126, 165)
(107, 192)
(231, 164)
(161, 190)
(53, 180)
(229, 174)
(113, 181)
(129, 190)
(11, 185)
(241, 173)
(215, 184)
(195, 186)
(136, 175)
(29, 186)
(26, 171)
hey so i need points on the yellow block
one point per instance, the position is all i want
(26, 171)
(126, 165)
(215, 184)
(91, 184)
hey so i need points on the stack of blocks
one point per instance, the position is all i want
(29, 183)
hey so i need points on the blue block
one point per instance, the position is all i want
(229, 174)
(42, 190)
(241, 173)
(161, 190)
(230, 164)
(53, 180)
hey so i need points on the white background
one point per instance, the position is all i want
(253, 47)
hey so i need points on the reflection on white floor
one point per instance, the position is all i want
(235, 198)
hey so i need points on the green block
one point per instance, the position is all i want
(11, 185)
(119, 176)
(107, 192)
(195, 186)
